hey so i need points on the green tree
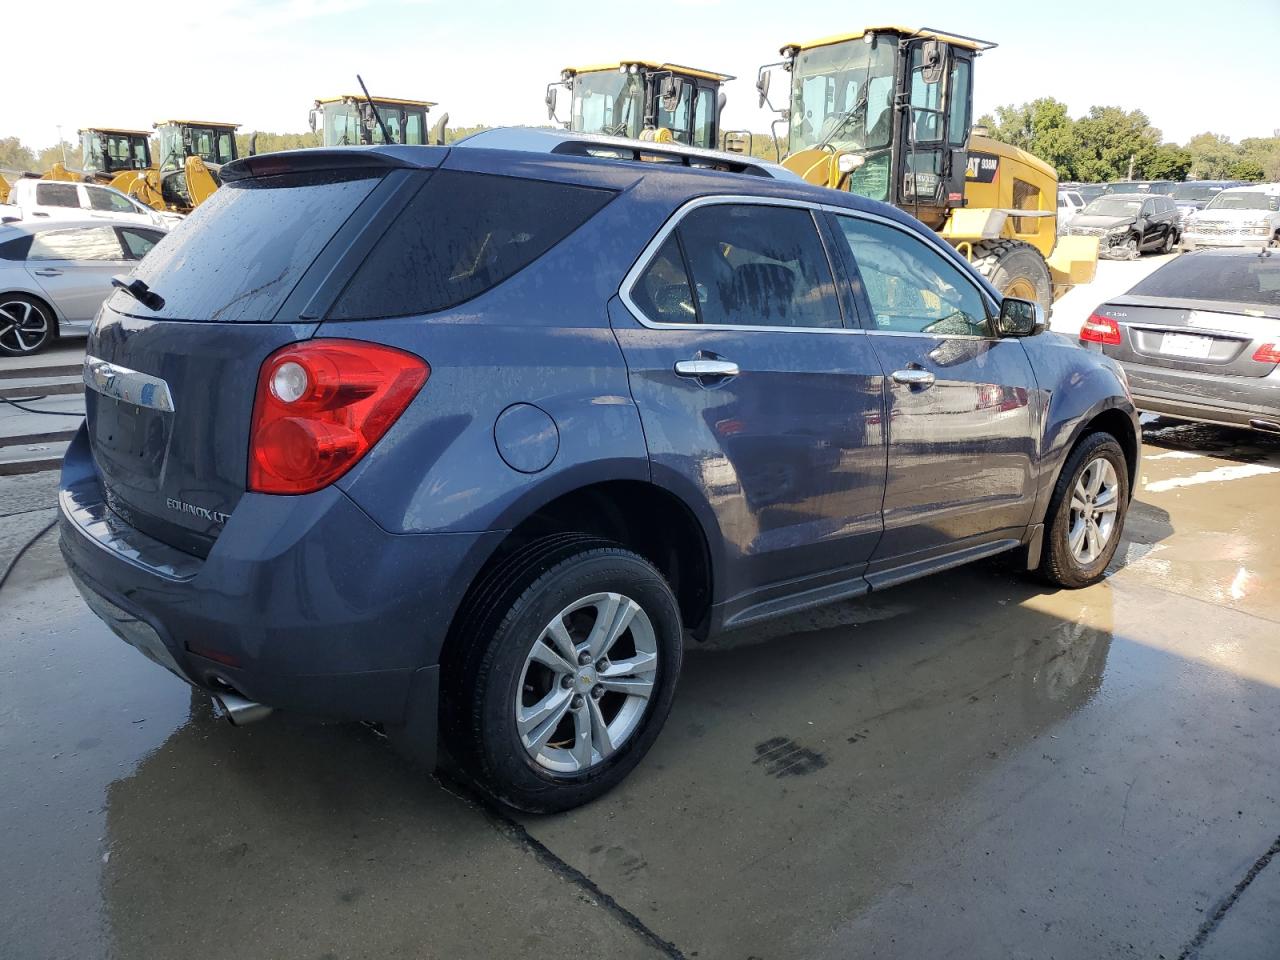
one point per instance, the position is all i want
(14, 156)
(1041, 127)
(1244, 168)
(1265, 151)
(1170, 162)
(1109, 139)
(1212, 155)
(47, 157)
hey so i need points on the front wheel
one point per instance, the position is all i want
(569, 671)
(1086, 515)
(1170, 241)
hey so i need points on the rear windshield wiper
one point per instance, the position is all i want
(139, 290)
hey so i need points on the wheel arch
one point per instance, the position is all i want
(640, 515)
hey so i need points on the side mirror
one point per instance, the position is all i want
(312, 119)
(672, 87)
(1020, 318)
(762, 85)
(551, 101)
(933, 61)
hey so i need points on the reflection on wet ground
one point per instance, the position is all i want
(965, 766)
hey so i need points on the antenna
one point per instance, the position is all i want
(386, 134)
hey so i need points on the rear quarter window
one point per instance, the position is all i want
(237, 257)
(461, 235)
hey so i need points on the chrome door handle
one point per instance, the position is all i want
(914, 378)
(703, 369)
(47, 272)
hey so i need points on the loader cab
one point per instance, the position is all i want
(107, 151)
(349, 120)
(885, 113)
(214, 143)
(642, 99)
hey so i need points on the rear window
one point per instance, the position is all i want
(240, 253)
(1243, 279)
(463, 234)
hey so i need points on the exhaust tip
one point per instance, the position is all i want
(1270, 426)
(239, 711)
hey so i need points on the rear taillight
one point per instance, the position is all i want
(1100, 329)
(1267, 353)
(321, 405)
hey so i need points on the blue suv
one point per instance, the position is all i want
(468, 441)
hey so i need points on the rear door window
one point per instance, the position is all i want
(81, 243)
(463, 234)
(240, 253)
(758, 265)
(57, 195)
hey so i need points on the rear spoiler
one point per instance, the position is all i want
(316, 160)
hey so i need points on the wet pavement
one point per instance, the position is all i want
(966, 766)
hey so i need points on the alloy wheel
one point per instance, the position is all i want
(1094, 504)
(586, 682)
(23, 326)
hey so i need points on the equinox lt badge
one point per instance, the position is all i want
(204, 513)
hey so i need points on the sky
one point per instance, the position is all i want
(1191, 66)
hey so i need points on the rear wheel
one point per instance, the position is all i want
(1016, 269)
(572, 651)
(26, 325)
(1170, 241)
(1086, 515)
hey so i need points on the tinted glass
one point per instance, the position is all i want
(57, 195)
(139, 241)
(663, 293)
(240, 253)
(704, 115)
(461, 235)
(81, 243)
(910, 286)
(1246, 279)
(754, 265)
(677, 121)
(16, 248)
(106, 200)
(958, 109)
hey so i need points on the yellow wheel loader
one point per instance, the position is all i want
(643, 100)
(109, 155)
(355, 118)
(887, 113)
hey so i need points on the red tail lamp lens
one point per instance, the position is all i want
(321, 405)
(1100, 329)
(1267, 353)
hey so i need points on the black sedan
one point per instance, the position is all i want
(1200, 338)
(1128, 224)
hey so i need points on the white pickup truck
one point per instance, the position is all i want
(31, 199)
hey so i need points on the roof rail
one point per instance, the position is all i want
(662, 153)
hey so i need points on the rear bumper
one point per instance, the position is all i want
(1234, 401)
(303, 604)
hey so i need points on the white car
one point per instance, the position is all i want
(54, 275)
(1070, 203)
(1238, 217)
(30, 199)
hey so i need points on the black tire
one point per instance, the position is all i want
(1006, 262)
(1170, 241)
(19, 315)
(505, 615)
(1058, 565)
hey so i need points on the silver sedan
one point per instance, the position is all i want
(54, 276)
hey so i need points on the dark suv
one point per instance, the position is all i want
(466, 441)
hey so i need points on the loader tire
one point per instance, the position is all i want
(1016, 269)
